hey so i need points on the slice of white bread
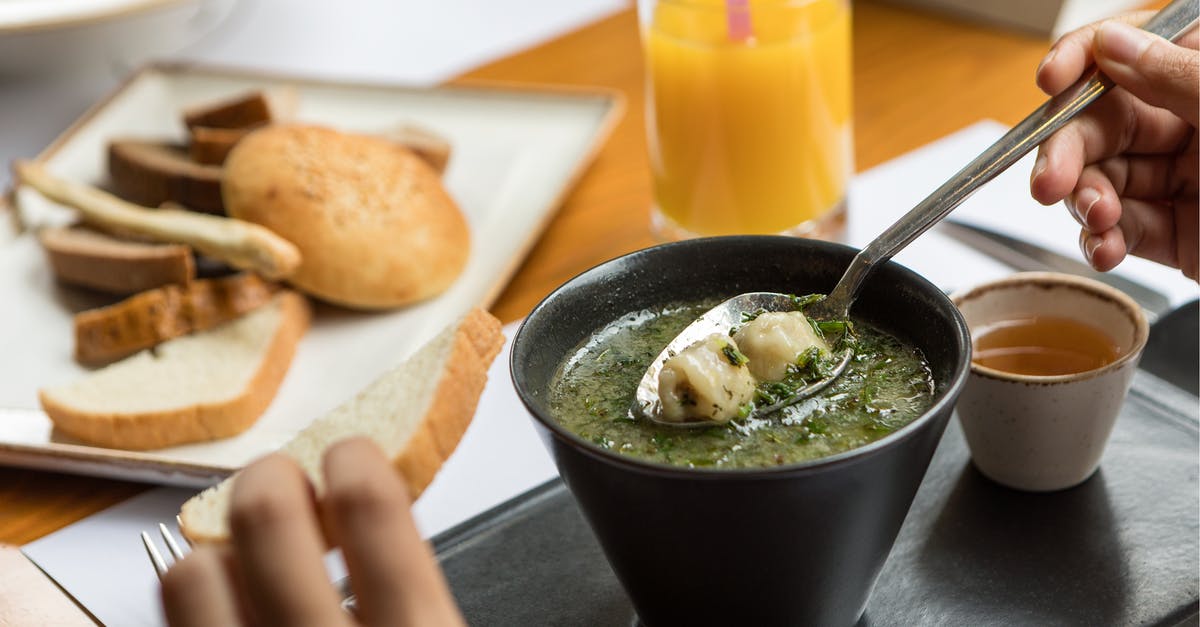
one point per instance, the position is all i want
(106, 334)
(416, 412)
(195, 388)
(150, 173)
(86, 257)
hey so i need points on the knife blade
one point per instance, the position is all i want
(1025, 256)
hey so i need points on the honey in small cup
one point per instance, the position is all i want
(1053, 357)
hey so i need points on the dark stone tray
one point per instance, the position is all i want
(1123, 548)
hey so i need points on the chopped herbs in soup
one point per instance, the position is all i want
(886, 386)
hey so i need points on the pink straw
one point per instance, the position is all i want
(737, 15)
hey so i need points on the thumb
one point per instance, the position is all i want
(1151, 68)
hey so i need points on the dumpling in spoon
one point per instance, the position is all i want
(706, 382)
(775, 340)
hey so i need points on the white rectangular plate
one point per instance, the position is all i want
(516, 151)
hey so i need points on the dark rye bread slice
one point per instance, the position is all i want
(210, 145)
(149, 173)
(247, 110)
(88, 258)
(106, 334)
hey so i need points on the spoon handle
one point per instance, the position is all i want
(1170, 23)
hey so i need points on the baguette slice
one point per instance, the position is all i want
(416, 412)
(195, 388)
(86, 257)
(241, 244)
(151, 173)
(106, 334)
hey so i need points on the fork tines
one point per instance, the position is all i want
(156, 558)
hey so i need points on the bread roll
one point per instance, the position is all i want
(373, 223)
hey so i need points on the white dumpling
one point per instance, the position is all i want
(707, 381)
(773, 341)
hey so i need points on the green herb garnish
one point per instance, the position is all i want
(734, 355)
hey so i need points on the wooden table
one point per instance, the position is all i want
(917, 78)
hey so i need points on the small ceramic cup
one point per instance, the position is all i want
(1043, 433)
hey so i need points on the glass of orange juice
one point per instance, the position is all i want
(748, 115)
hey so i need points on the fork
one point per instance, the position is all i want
(156, 558)
(348, 603)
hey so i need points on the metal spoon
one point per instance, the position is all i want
(1170, 23)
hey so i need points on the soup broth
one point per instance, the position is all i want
(886, 386)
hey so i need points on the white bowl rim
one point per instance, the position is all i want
(76, 13)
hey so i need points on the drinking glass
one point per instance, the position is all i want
(748, 115)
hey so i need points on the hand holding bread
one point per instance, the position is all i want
(417, 413)
(283, 528)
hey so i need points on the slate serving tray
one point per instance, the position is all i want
(1123, 548)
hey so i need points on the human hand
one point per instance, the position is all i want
(272, 573)
(1127, 167)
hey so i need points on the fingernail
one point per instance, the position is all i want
(1039, 167)
(1045, 60)
(1121, 42)
(1084, 201)
(1088, 244)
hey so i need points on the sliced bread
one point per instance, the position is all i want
(82, 256)
(245, 110)
(416, 412)
(211, 145)
(106, 334)
(150, 173)
(198, 387)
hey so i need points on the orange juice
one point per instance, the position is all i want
(749, 131)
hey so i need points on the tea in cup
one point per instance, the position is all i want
(1053, 357)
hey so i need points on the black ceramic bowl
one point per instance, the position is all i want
(791, 545)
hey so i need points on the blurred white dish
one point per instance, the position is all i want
(39, 36)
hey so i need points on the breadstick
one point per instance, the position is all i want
(244, 245)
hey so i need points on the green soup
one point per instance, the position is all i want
(886, 386)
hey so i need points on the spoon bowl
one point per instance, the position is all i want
(721, 319)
